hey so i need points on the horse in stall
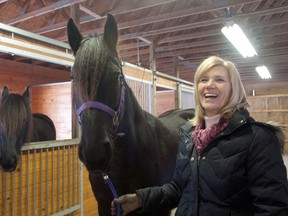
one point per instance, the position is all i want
(135, 148)
(18, 125)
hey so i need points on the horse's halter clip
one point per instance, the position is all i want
(103, 107)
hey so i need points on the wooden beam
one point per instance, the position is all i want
(152, 61)
(75, 14)
(90, 12)
(42, 11)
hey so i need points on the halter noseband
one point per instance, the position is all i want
(103, 107)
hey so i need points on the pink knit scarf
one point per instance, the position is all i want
(203, 136)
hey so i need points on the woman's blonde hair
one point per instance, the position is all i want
(238, 96)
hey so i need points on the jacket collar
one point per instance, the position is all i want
(239, 117)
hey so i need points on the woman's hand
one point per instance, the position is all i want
(128, 203)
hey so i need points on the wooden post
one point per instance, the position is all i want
(75, 14)
(154, 78)
(176, 74)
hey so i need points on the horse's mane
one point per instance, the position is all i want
(15, 112)
(91, 59)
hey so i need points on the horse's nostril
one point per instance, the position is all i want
(98, 158)
(14, 160)
(9, 163)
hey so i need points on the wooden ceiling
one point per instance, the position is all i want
(179, 32)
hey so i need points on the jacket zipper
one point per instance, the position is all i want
(199, 158)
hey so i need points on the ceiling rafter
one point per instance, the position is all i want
(89, 12)
(42, 11)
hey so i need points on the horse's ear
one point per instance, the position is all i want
(5, 92)
(111, 32)
(26, 96)
(74, 36)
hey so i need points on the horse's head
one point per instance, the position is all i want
(98, 92)
(15, 126)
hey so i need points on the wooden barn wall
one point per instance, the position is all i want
(270, 103)
(271, 108)
(54, 100)
(165, 100)
(17, 75)
(266, 88)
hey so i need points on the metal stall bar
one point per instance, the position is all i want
(34, 185)
(40, 179)
(21, 185)
(5, 193)
(13, 193)
(27, 187)
(52, 188)
(58, 176)
(46, 182)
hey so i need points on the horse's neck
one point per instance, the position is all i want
(137, 122)
(133, 112)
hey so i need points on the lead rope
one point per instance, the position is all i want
(113, 190)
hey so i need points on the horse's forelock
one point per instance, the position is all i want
(90, 62)
(13, 114)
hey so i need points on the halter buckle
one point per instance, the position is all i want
(116, 119)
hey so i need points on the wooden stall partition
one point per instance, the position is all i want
(54, 100)
(271, 108)
(142, 78)
(47, 181)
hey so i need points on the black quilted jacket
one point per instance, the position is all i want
(240, 173)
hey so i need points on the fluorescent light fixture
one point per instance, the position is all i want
(239, 40)
(263, 72)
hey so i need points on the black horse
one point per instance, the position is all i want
(18, 125)
(135, 148)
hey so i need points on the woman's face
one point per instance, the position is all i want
(214, 89)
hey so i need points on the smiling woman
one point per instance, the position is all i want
(214, 90)
(231, 165)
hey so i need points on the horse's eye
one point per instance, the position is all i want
(117, 75)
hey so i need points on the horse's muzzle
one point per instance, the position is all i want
(8, 165)
(94, 166)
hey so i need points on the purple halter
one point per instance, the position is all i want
(103, 107)
(115, 116)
